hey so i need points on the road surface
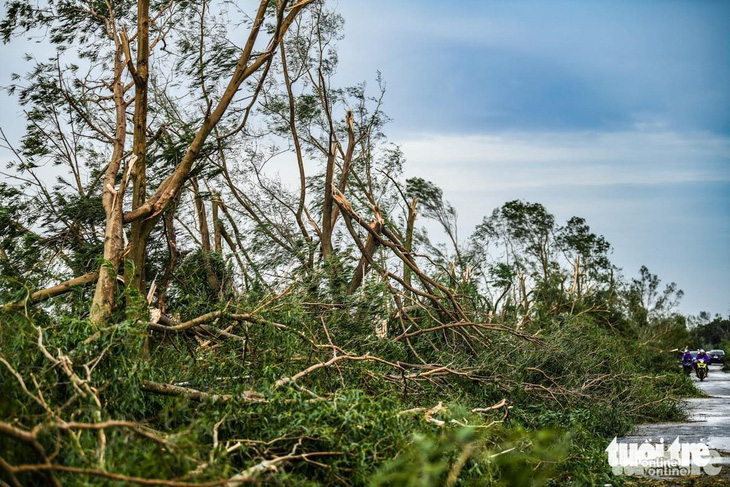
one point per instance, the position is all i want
(709, 420)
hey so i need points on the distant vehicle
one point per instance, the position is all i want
(718, 356)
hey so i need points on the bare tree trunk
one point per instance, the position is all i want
(409, 239)
(217, 224)
(134, 275)
(204, 236)
(525, 301)
(297, 146)
(346, 163)
(328, 203)
(171, 260)
(202, 217)
(103, 302)
(575, 285)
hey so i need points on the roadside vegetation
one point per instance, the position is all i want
(175, 312)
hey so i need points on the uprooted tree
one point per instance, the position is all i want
(198, 224)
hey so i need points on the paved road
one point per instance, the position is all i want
(709, 419)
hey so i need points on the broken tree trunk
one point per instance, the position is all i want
(409, 239)
(212, 278)
(346, 163)
(370, 245)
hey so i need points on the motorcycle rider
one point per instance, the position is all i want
(703, 357)
(687, 360)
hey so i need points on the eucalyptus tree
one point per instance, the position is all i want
(528, 258)
(80, 100)
(332, 139)
(588, 253)
(433, 206)
(647, 301)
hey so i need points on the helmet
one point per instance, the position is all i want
(702, 350)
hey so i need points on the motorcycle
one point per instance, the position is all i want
(687, 367)
(701, 370)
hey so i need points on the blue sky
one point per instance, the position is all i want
(500, 65)
(616, 111)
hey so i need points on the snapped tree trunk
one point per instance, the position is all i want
(212, 278)
(346, 163)
(370, 246)
(409, 239)
(139, 231)
(148, 212)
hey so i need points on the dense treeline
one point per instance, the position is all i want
(709, 332)
(214, 271)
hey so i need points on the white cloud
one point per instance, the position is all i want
(519, 160)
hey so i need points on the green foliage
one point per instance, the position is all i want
(359, 420)
(476, 455)
(645, 299)
(192, 293)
